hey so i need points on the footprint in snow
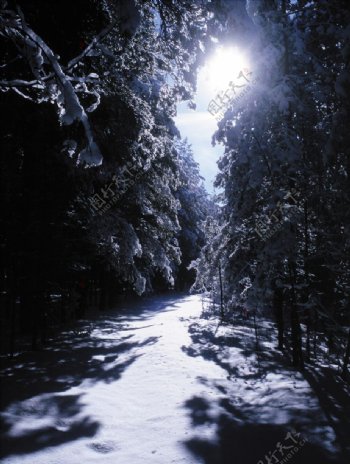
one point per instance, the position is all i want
(103, 448)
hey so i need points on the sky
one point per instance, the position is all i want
(199, 125)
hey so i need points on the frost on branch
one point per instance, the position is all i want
(56, 86)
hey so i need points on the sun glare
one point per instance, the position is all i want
(223, 67)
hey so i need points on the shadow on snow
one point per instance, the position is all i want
(34, 385)
(247, 432)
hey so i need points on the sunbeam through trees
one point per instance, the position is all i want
(147, 317)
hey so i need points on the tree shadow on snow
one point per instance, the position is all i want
(37, 413)
(268, 403)
(61, 420)
(334, 397)
(207, 344)
(145, 309)
(247, 443)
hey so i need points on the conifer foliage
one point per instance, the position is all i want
(92, 172)
(282, 236)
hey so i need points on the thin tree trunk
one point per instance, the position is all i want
(256, 333)
(280, 329)
(315, 334)
(103, 291)
(278, 301)
(308, 334)
(12, 296)
(295, 324)
(346, 359)
(221, 295)
(306, 269)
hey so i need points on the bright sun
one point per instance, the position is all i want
(223, 67)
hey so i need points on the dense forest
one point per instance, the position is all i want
(111, 242)
(281, 237)
(100, 195)
(102, 198)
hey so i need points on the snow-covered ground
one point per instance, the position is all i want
(154, 383)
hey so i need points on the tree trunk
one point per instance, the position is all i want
(256, 333)
(221, 295)
(346, 359)
(306, 270)
(103, 291)
(297, 353)
(280, 329)
(278, 312)
(308, 334)
(12, 302)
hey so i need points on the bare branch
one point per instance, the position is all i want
(92, 44)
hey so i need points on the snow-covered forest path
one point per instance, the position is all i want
(148, 385)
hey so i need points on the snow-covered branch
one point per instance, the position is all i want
(57, 85)
(19, 83)
(92, 44)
